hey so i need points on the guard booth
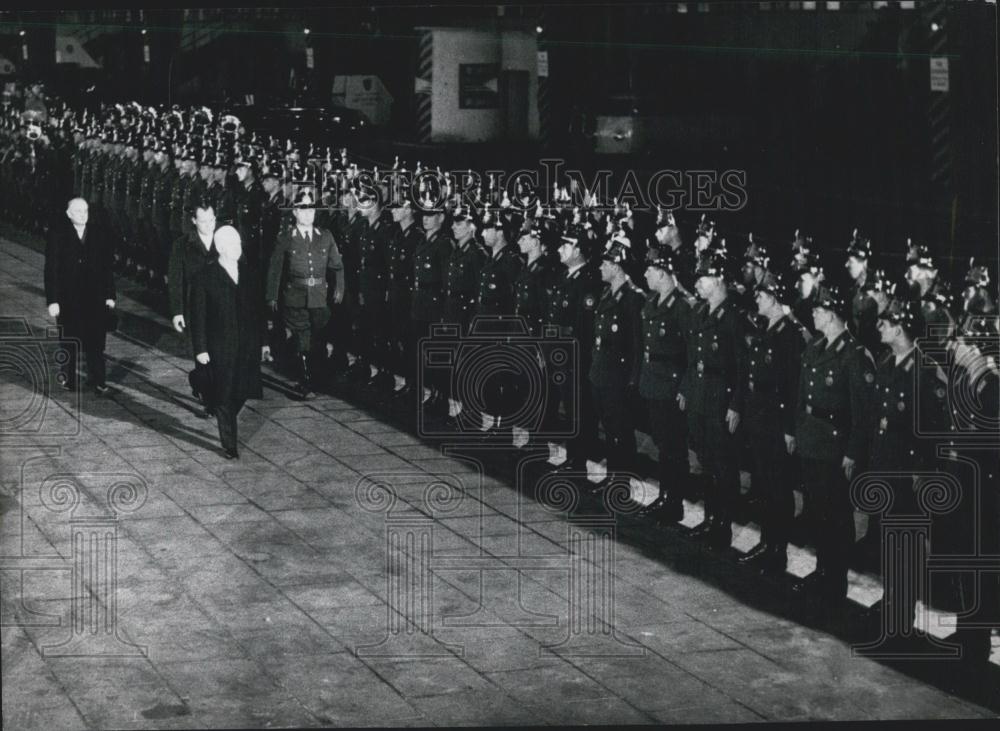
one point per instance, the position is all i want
(476, 85)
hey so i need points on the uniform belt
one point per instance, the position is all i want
(821, 413)
(660, 358)
(309, 281)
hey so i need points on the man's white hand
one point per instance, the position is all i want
(848, 465)
(110, 303)
(179, 323)
(732, 420)
(202, 358)
(681, 402)
(54, 309)
(790, 443)
(265, 354)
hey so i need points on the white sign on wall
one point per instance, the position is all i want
(939, 73)
(543, 64)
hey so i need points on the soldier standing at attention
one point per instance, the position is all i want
(772, 389)
(430, 262)
(863, 313)
(571, 308)
(373, 290)
(895, 443)
(495, 299)
(711, 393)
(304, 259)
(614, 368)
(461, 281)
(664, 329)
(835, 386)
(407, 236)
(532, 290)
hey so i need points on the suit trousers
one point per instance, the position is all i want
(669, 432)
(770, 468)
(226, 414)
(830, 506)
(612, 406)
(308, 325)
(92, 340)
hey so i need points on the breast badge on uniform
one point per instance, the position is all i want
(870, 377)
(588, 302)
(829, 380)
(901, 406)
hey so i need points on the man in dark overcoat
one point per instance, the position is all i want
(80, 290)
(226, 332)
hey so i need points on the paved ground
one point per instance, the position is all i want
(254, 593)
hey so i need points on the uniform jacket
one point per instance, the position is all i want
(401, 250)
(374, 244)
(188, 256)
(664, 348)
(896, 442)
(571, 306)
(533, 288)
(226, 323)
(617, 337)
(714, 380)
(835, 393)
(430, 262)
(299, 269)
(774, 362)
(461, 281)
(496, 282)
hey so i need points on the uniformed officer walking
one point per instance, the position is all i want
(615, 363)
(665, 317)
(711, 393)
(771, 395)
(835, 389)
(304, 264)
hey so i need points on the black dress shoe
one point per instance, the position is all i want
(653, 508)
(754, 555)
(66, 384)
(720, 537)
(701, 531)
(404, 392)
(669, 514)
(232, 454)
(101, 389)
(809, 585)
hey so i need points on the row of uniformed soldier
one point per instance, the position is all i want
(796, 379)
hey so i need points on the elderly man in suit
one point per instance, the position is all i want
(226, 331)
(80, 290)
